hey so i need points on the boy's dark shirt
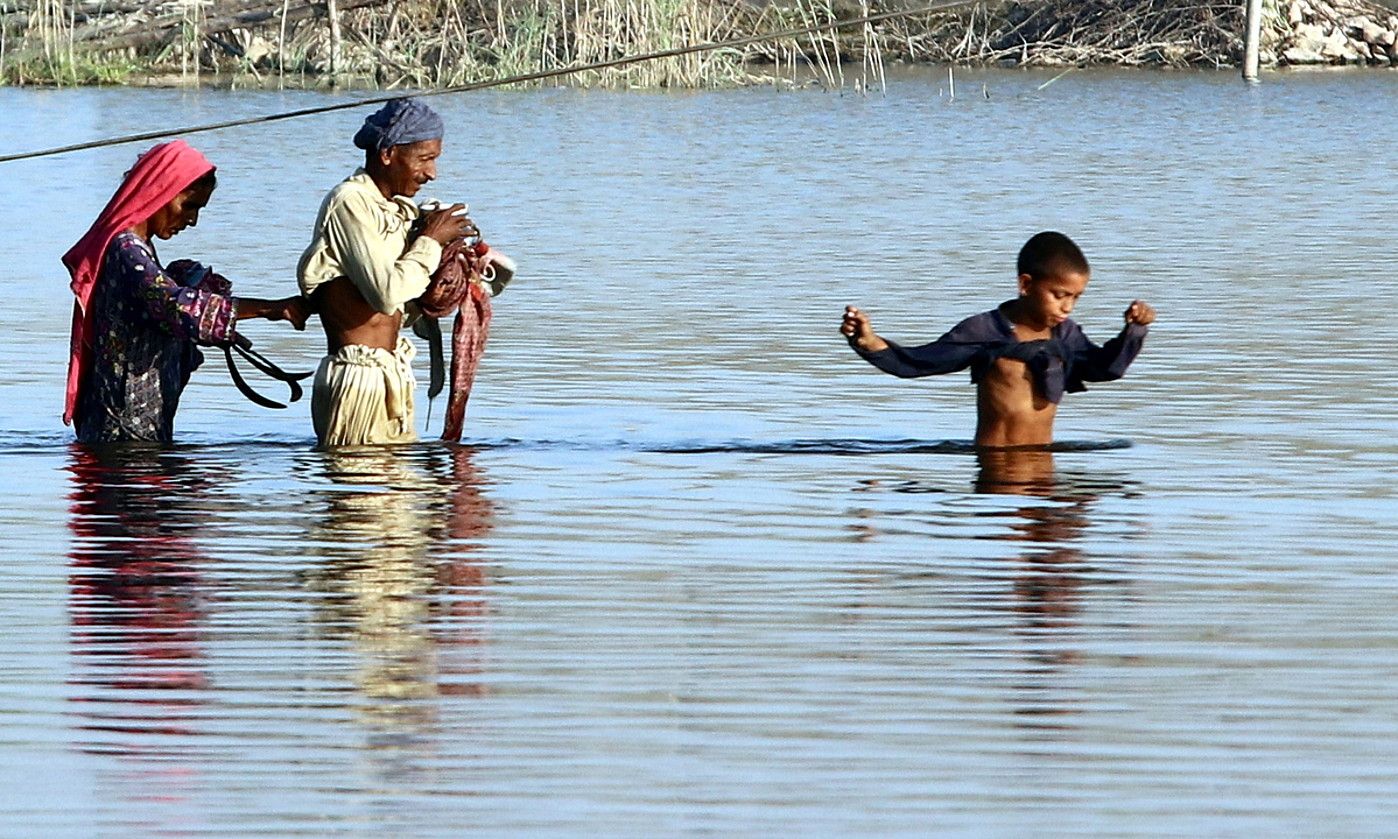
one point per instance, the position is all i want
(1059, 364)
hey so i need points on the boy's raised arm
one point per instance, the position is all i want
(856, 327)
(948, 354)
(1108, 362)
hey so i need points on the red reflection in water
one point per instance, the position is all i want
(135, 599)
(470, 517)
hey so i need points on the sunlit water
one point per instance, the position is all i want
(698, 569)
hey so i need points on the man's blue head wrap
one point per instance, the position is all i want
(397, 123)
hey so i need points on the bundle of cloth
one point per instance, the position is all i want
(469, 275)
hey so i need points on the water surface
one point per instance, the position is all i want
(697, 569)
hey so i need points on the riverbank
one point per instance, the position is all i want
(436, 43)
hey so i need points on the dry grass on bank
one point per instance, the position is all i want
(437, 43)
(428, 43)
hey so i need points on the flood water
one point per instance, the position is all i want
(698, 569)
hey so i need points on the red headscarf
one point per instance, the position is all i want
(159, 175)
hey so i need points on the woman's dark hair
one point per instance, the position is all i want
(208, 181)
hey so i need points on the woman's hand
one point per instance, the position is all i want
(216, 284)
(296, 310)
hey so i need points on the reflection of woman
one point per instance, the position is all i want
(136, 598)
(135, 323)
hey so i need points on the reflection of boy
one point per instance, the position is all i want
(1024, 354)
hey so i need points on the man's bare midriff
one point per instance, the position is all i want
(1008, 411)
(348, 319)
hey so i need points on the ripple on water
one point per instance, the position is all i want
(699, 569)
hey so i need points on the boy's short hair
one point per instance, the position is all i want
(1050, 254)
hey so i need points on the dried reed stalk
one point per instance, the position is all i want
(418, 43)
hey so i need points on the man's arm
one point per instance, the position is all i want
(386, 279)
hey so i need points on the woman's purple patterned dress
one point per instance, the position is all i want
(145, 328)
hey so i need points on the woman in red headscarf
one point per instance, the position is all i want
(136, 323)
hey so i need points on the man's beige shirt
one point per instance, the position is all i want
(361, 235)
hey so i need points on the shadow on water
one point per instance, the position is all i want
(866, 447)
(390, 550)
(37, 444)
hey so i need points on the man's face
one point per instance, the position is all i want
(1049, 300)
(181, 212)
(409, 166)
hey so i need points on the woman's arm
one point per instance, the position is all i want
(294, 309)
(189, 313)
(197, 313)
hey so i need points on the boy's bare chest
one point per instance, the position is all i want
(1009, 383)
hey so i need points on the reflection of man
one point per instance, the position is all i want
(397, 536)
(364, 265)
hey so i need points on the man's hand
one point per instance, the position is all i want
(855, 326)
(449, 224)
(1140, 312)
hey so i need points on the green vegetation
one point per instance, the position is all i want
(70, 70)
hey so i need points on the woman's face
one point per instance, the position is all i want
(181, 212)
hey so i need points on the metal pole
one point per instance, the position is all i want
(332, 11)
(1254, 34)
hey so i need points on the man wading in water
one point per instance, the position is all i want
(363, 265)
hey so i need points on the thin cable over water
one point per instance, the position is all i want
(522, 78)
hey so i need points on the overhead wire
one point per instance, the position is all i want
(523, 78)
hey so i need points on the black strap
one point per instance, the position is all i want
(264, 366)
(430, 331)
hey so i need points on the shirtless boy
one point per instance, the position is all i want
(1024, 354)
